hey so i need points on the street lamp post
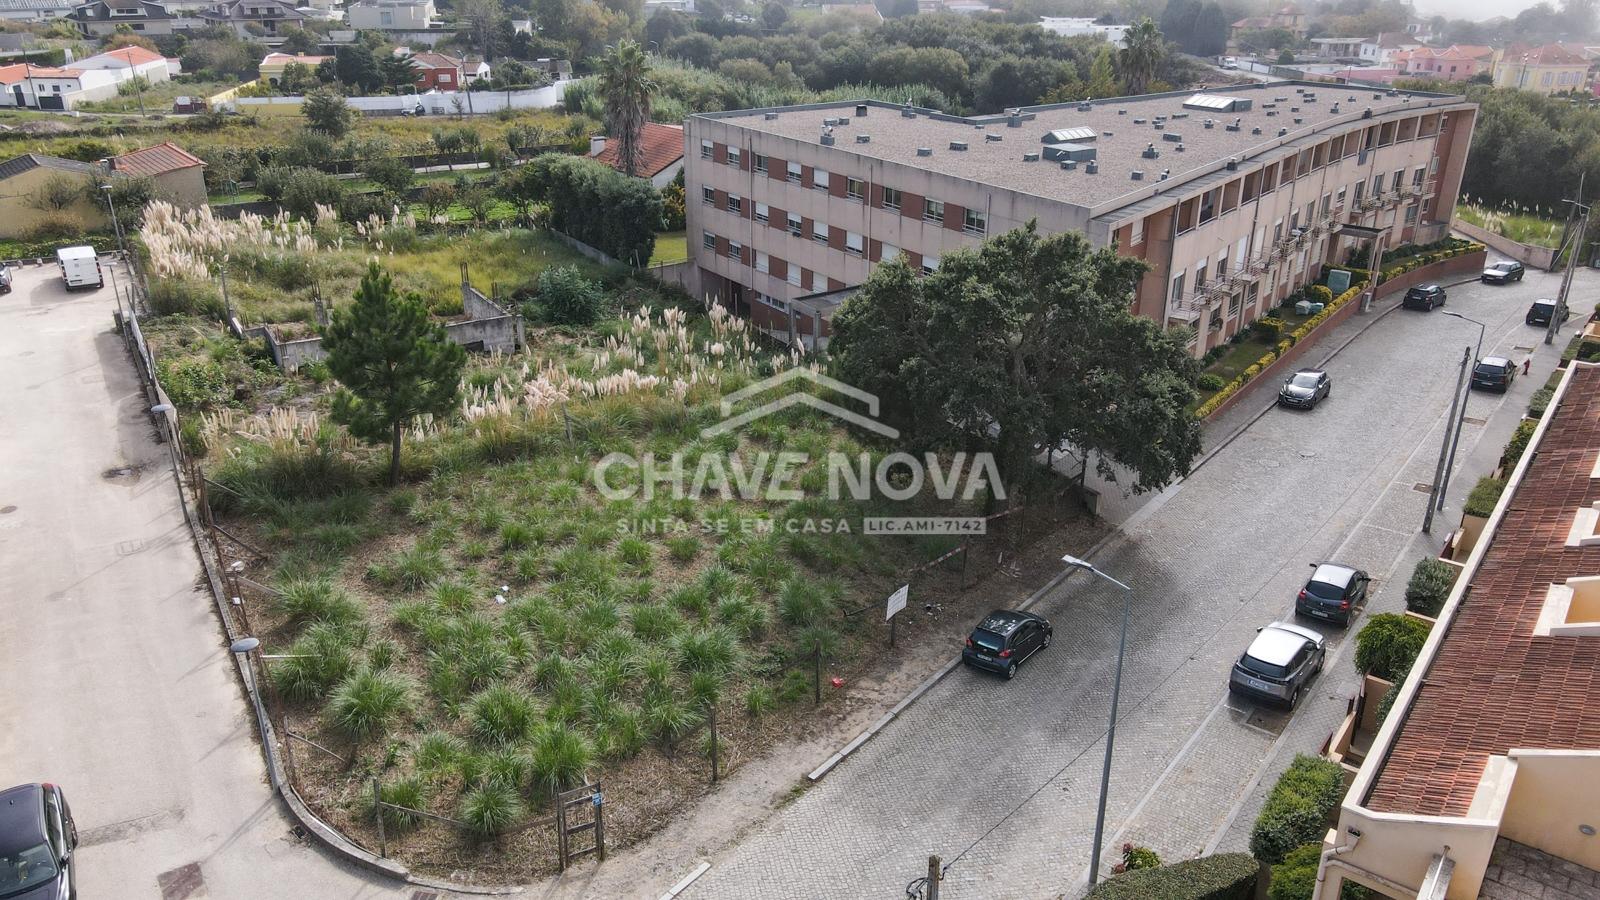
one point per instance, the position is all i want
(1461, 419)
(115, 225)
(1111, 730)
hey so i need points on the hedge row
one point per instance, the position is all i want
(1226, 876)
(103, 243)
(1484, 495)
(1300, 808)
(1358, 283)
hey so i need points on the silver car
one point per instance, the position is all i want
(1278, 664)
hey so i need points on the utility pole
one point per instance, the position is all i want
(1582, 210)
(935, 875)
(1444, 446)
(137, 86)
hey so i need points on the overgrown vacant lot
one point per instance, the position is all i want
(496, 629)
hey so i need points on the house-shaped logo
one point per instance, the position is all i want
(731, 422)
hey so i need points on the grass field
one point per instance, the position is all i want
(1520, 226)
(157, 98)
(671, 247)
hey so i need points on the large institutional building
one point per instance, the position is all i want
(1235, 198)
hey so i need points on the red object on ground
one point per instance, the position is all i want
(836, 682)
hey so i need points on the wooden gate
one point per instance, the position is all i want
(577, 811)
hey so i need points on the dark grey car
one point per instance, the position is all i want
(1502, 272)
(1278, 664)
(1305, 388)
(1004, 639)
(37, 840)
(1335, 593)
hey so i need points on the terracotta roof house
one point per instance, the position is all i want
(662, 158)
(1458, 62)
(1288, 17)
(1548, 69)
(178, 175)
(1484, 779)
(1380, 50)
(436, 71)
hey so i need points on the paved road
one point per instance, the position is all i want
(1001, 778)
(116, 683)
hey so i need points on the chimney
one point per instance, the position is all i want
(596, 144)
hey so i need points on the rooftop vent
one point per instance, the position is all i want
(1172, 137)
(1165, 173)
(1138, 175)
(1282, 132)
(770, 116)
(924, 151)
(992, 138)
(1269, 106)
(827, 140)
(1281, 99)
(1085, 107)
(1351, 98)
(1334, 108)
(977, 126)
(1014, 121)
(1091, 167)
(1030, 156)
(1122, 112)
(1366, 113)
(1309, 98)
(1069, 164)
(958, 145)
(1271, 113)
(1150, 152)
(1180, 115)
(1069, 135)
(1180, 148)
(906, 112)
(1138, 121)
(1298, 120)
(1217, 103)
(1077, 152)
(863, 138)
(1235, 126)
(1232, 164)
(1294, 109)
(1210, 124)
(1377, 95)
(830, 122)
(861, 110)
(1255, 131)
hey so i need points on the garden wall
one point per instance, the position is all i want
(1456, 265)
(475, 103)
(1527, 254)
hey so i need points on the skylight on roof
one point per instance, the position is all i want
(1069, 135)
(1216, 103)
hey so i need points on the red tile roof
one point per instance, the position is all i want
(1551, 55)
(137, 56)
(435, 61)
(157, 160)
(662, 145)
(1493, 685)
(19, 71)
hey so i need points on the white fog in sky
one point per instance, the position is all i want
(1473, 9)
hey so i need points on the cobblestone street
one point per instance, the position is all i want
(1000, 778)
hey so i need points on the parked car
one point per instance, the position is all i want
(5, 279)
(37, 839)
(1305, 388)
(1502, 272)
(1424, 297)
(1004, 639)
(1278, 663)
(1334, 592)
(1541, 311)
(1494, 373)
(1230, 62)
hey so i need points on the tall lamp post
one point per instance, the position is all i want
(1111, 731)
(115, 225)
(1461, 419)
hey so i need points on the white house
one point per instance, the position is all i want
(1380, 50)
(1071, 27)
(45, 87)
(127, 62)
(392, 15)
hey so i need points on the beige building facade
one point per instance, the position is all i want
(1235, 200)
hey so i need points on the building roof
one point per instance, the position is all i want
(20, 71)
(136, 56)
(1491, 684)
(1394, 40)
(1550, 55)
(429, 60)
(274, 59)
(1121, 136)
(101, 9)
(662, 144)
(158, 160)
(27, 162)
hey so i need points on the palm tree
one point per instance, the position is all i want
(626, 87)
(1142, 50)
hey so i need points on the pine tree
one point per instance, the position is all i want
(1102, 76)
(395, 365)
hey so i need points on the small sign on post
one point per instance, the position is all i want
(897, 602)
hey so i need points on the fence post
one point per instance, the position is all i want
(712, 709)
(816, 675)
(377, 807)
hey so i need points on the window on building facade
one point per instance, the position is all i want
(794, 224)
(1338, 199)
(891, 198)
(708, 196)
(794, 275)
(820, 179)
(1233, 305)
(1418, 175)
(1208, 206)
(774, 302)
(933, 210)
(1377, 185)
(758, 162)
(1177, 287)
(793, 173)
(763, 212)
(976, 223)
(819, 232)
(735, 204)
(735, 250)
(708, 241)
(1399, 179)
(854, 243)
(763, 262)
(1136, 232)
(735, 156)
(855, 189)
(929, 263)
(1411, 214)
(1200, 274)
(1277, 231)
(705, 149)
(887, 252)
(1361, 191)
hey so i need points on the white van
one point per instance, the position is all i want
(80, 268)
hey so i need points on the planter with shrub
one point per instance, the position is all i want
(1518, 444)
(1485, 494)
(1226, 876)
(1387, 646)
(1299, 809)
(1429, 586)
(1296, 877)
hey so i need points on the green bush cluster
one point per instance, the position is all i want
(1540, 401)
(1269, 328)
(1429, 586)
(600, 206)
(193, 383)
(1135, 858)
(1518, 444)
(565, 297)
(1209, 381)
(1226, 876)
(1387, 646)
(1299, 809)
(1296, 877)
(103, 243)
(1484, 495)
(1319, 293)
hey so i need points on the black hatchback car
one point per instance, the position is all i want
(1335, 593)
(1305, 388)
(1004, 639)
(37, 839)
(1424, 297)
(1506, 270)
(1541, 310)
(1494, 373)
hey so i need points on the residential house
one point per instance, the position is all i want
(46, 87)
(393, 15)
(252, 18)
(1380, 51)
(662, 156)
(651, 7)
(435, 71)
(101, 18)
(1548, 69)
(1457, 62)
(1336, 47)
(129, 62)
(476, 70)
(273, 64)
(1071, 27)
(35, 10)
(786, 213)
(1422, 31)
(178, 176)
(1484, 779)
(1288, 17)
(33, 188)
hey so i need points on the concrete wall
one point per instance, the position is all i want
(19, 215)
(1553, 793)
(489, 328)
(1527, 254)
(185, 187)
(442, 104)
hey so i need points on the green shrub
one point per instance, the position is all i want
(306, 600)
(758, 700)
(1269, 329)
(707, 650)
(502, 714)
(1485, 494)
(1135, 858)
(364, 703)
(318, 660)
(193, 384)
(491, 808)
(1296, 877)
(411, 569)
(565, 297)
(1299, 808)
(1387, 646)
(561, 755)
(408, 792)
(1540, 401)
(1386, 704)
(683, 548)
(1209, 382)
(1319, 293)
(1429, 586)
(802, 602)
(1227, 876)
(1518, 444)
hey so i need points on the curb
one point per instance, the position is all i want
(872, 730)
